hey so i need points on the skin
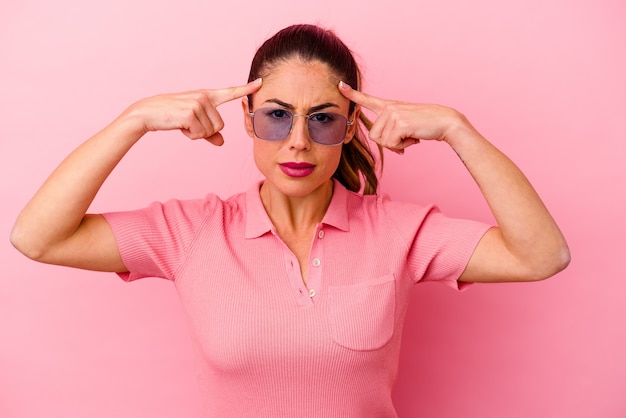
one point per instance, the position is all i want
(525, 245)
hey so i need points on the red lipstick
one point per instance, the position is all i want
(295, 169)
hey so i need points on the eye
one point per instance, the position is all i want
(278, 114)
(322, 117)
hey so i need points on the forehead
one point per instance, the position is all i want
(301, 84)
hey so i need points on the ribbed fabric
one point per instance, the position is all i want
(268, 346)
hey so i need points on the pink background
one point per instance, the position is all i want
(544, 80)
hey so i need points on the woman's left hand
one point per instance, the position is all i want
(527, 244)
(399, 124)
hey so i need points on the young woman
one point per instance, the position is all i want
(296, 289)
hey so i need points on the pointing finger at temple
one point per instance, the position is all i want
(220, 96)
(372, 103)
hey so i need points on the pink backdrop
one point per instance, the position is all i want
(544, 80)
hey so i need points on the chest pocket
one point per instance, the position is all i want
(362, 316)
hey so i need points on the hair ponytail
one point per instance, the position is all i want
(357, 167)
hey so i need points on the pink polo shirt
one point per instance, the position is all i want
(269, 346)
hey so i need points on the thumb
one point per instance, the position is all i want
(216, 139)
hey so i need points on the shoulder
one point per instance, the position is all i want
(386, 215)
(174, 212)
(208, 204)
(383, 207)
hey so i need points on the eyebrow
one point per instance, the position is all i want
(311, 109)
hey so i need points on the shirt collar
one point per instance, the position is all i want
(259, 223)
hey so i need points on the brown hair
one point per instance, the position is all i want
(312, 43)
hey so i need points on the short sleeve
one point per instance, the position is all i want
(439, 246)
(154, 241)
(443, 247)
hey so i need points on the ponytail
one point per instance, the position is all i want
(357, 166)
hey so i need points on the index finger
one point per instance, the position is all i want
(372, 103)
(219, 96)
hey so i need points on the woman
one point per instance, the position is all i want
(296, 290)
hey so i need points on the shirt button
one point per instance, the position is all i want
(312, 293)
(316, 262)
(320, 234)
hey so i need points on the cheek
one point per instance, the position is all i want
(256, 150)
(332, 158)
(263, 152)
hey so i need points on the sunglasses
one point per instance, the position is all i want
(324, 128)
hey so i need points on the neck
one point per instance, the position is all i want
(296, 214)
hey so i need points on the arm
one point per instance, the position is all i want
(54, 227)
(527, 244)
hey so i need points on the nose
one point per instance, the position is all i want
(299, 136)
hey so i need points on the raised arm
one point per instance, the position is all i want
(54, 227)
(527, 244)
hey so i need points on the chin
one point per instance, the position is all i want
(299, 187)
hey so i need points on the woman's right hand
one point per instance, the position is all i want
(194, 113)
(54, 227)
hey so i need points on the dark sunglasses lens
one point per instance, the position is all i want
(275, 124)
(327, 128)
(272, 124)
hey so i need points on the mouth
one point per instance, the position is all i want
(295, 169)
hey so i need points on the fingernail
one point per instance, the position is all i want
(342, 85)
(258, 80)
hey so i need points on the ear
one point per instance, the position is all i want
(247, 119)
(353, 128)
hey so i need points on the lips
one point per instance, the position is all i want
(297, 169)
